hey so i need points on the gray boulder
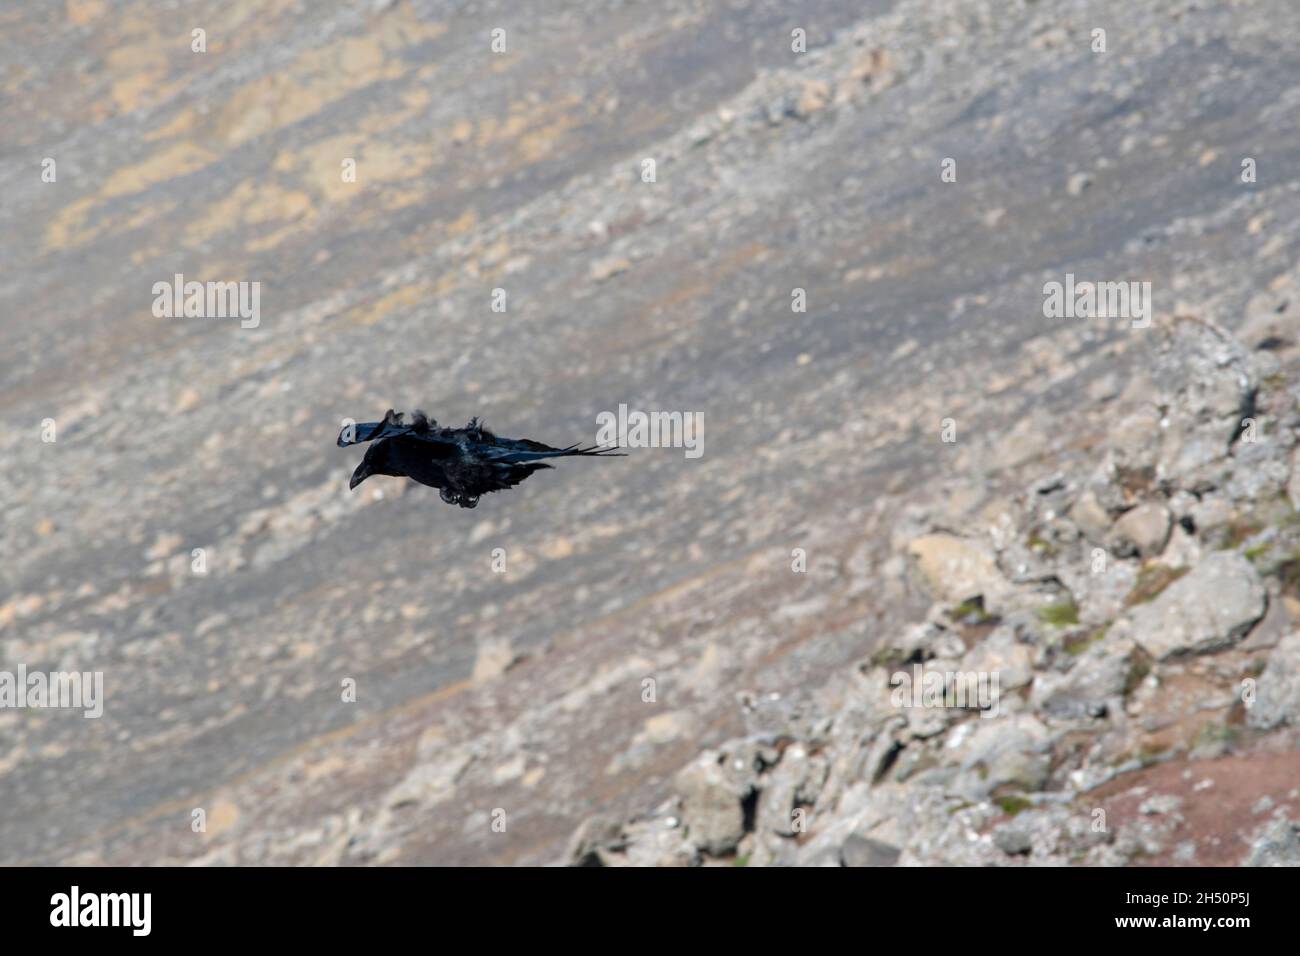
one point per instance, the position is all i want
(1013, 838)
(712, 804)
(1090, 516)
(1277, 699)
(1141, 531)
(958, 569)
(1096, 677)
(1209, 609)
(1135, 449)
(1277, 844)
(860, 850)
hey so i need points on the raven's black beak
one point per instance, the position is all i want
(358, 476)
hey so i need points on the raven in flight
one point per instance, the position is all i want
(462, 463)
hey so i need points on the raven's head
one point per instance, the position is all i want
(374, 462)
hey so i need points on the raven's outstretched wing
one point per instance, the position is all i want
(368, 431)
(394, 423)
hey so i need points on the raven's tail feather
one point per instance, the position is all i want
(592, 451)
(595, 451)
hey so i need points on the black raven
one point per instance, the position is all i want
(462, 463)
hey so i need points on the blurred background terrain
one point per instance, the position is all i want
(522, 170)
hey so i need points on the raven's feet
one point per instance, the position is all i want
(456, 498)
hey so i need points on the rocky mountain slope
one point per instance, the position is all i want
(497, 707)
(1138, 620)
